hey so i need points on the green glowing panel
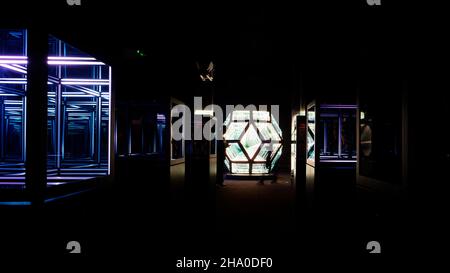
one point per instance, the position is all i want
(267, 131)
(261, 116)
(235, 130)
(276, 126)
(259, 168)
(250, 141)
(276, 158)
(263, 153)
(240, 167)
(241, 115)
(227, 163)
(310, 136)
(235, 153)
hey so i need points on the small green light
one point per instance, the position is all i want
(140, 53)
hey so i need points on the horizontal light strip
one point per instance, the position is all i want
(76, 95)
(13, 61)
(7, 102)
(13, 79)
(14, 68)
(83, 83)
(13, 82)
(13, 57)
(209, 113)
(87, 90)
(83, 80)
(52, 60)
(62, 62)
(338, 106)
(72, 58)
(16, 82)
(64, 82)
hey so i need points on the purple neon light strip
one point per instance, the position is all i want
(71, 81)
(13, 61)
(13, 79)
(84, 80)
(63, 81)
(74, 63)
(13, 82)
(13, 57)
(52, 60)
(110, 120)
(4, 81)
(83, 83)
(72, 58)
(338, 106)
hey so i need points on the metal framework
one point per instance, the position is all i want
(79, 109)
(253, 142)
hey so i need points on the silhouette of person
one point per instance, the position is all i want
(268, 163)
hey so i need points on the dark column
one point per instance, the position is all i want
(36, 116)
(220, 162)
(300, 167)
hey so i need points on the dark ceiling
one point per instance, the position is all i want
(257, 47)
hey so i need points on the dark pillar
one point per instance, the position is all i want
(220, 162)
(36, 116)
(300, 167)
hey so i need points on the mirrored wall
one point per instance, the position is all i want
(337, 141)
(13, 87)
(79, 109)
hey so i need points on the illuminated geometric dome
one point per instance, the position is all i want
(253, 138)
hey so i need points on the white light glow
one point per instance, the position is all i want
(209, 113)
(14, 68)
(64, 62)
(83, 83)
(110, 121)
(52, 60)
(252, 143)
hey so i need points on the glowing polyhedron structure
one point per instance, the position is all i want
(253, 142)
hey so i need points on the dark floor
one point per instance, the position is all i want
(250, 210)
(244, 218)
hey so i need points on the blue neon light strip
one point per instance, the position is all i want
(28, 203)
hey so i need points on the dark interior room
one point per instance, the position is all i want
(215, 135)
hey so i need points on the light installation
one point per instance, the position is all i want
(253, 142)
(311, 135)
(79, 110)
(337, 141)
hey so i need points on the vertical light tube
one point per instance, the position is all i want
(339, 133)
(325, 137)
(63, 131)
(2, 119)
(92, 128)
(24, 128)
(58, 104)
(24, 102)
(110, 120)
(99, 129)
